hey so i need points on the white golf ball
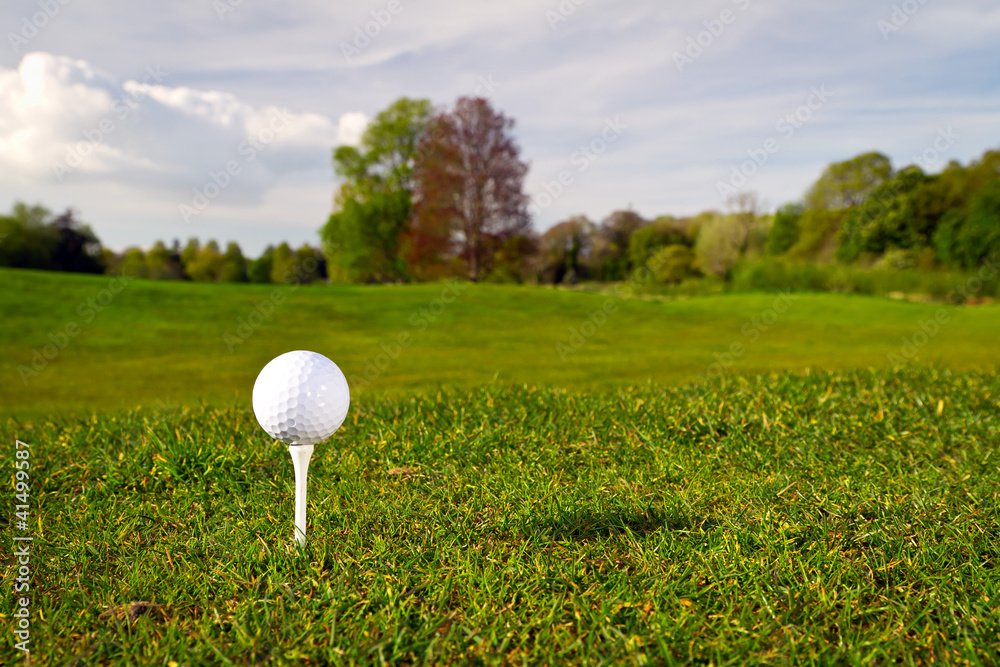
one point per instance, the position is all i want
(301, 398)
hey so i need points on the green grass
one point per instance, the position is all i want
(846, 518)
(492, 501)
(160, 343)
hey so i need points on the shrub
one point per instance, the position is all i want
(672, 264)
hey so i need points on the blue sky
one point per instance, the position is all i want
(241, 103)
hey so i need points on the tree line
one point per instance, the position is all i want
(433, 193)
(32, 237)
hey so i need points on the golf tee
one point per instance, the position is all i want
(300, 462)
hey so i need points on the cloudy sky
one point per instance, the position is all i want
(217, 118)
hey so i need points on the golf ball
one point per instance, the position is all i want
(301, 398)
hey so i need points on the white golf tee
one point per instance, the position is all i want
(300, 462)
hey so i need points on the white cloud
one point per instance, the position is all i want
(350, 128)
(62, 120)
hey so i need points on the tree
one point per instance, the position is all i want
(884, 220)
(744, 208)
(134, 264)
(283, 265)
(207, 264)
(512, 260)
(646, 241)
(818, 231)
(612, 243)
(846, 184)
(161, 263)
(259, 270)
(784, 229)
(672, 263)
(469, 177)
(233, 268)
(189, 254)
(565, 248)
(26, 243)
(76, 247)
(363, 236)
(717, 248)
(967, 240)
(309, 265)
(33, 239)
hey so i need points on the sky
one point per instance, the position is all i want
(218, 118)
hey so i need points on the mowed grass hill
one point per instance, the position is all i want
(79, 343)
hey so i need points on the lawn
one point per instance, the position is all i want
(159, 343)
(504, 491)
(789, 519)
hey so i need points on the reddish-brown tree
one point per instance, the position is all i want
(469, 185)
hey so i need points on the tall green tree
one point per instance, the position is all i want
(845, 184)
(283, 265)
(646, 241)
(784, 232)
(161, 263)
(189, 253)
(611, 251)
(362, 238)
(134, 264)
(207, 264)
(234, 265)
(259, 270)
(886, 219)
(34, 239)
(564, 250)
(967, 240)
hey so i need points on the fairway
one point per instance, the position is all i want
(162, 343)
(817, 519)
(510, 486)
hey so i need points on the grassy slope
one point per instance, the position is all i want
(162, 343)
(845, 519)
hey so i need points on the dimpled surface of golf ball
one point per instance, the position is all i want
(301, 398)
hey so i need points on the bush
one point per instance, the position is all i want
(776, 274)
(672, 264)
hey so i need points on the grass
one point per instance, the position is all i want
(815, 518)
(495, 498)
(163, 344)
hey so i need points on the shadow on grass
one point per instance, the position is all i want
(585, 524)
